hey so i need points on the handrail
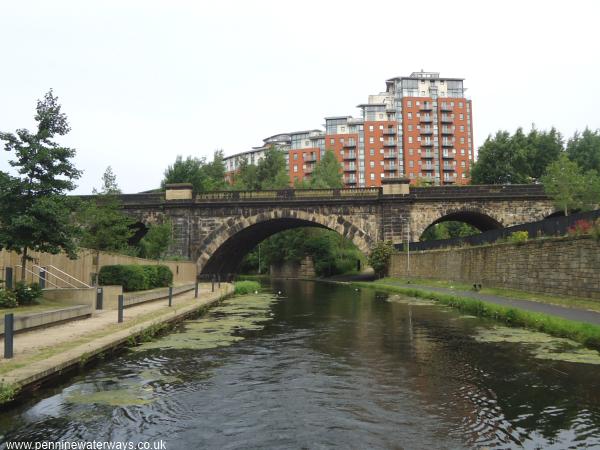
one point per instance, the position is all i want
(72, 277)
(55, 276)
(288, 194)
(34, 274)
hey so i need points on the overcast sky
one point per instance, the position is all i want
(144, 81)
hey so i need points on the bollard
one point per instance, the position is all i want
(8, 275)
(196, 290)
(42, 278)
(99, 298)
(121, 306)
(170, 295)
(219, 280)
(9, 324)
(212, 279)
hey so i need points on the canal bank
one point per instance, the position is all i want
(581, 326)
(46, 353)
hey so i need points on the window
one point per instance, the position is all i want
(370, 127)
(372, 176)
(381, 139)
(422, 95)
(410, 128)
(460, 105)
(410, 140)
(461, 117)
(410, 151)
(410, 115)
(409, 104)
(411, 164)
(371, 140)
(372, 164)
(296, 156)
(343, 129)
(331, 141)
(381, 127)
(462, 140)
(462, 151)
(381, 151)
(381, 163)
(372, 152)
(462, 128)
(295, 168)
(417, 103)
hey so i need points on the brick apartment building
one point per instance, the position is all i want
(421, 127)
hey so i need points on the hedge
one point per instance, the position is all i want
(136, 277)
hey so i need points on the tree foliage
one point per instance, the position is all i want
(448, 230)
(35, 212)
(570, 187)
(103, 226)
(380, 256)
(518, 158)
(584, 149)
(203, 176)
(109, 183)
(157, 240)
(269, 173)
(327, 172)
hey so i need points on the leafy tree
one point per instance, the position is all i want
(203, 176)
(35, 213)
(500, 161)
(246, 179)
(570, 187)
(448, 230)
(380, 256)
(156, 242)
(271, 171)
(544, 147)
(327, 172)
(584, 149)
(109, 183)
(103, 226)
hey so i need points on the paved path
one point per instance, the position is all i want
(579, 315)
(42, 352)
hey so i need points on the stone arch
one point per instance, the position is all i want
(480, 218)
(222, 250)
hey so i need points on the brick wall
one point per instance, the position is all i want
(304, 269)
(562, 266)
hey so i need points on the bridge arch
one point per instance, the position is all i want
(224, 248)
(481, 219)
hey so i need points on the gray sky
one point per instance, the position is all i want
(144, 81)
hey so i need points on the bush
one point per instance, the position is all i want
(27, 294)
(131, 277)
(136, 277)
(580, 227)
(246, 287)
(380, 256)
(518, 237)
(8, 299)
(165, 276)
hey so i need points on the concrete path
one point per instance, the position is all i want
(42, 352)
(579, 315)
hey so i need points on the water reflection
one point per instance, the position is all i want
(325, 366)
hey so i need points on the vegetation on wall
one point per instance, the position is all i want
(448, 230)
(136, 277)
(204, 176)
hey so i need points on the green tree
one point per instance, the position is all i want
(271, 170)
(103, 226)
(156, 242)
(569, 187)
(203, 176)
(327, 172)
(109, 183)
(584, 149)
(544, 147)
(35, 213)
(214, 173)
(448, 230)
(246, 178)
(501, 161)
(380, 256)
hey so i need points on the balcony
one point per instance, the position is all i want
(449, 167)
(427, 131)
(447, 155)
(349, 169)
(390, 155)
(389, 131)
(350, 180)
(349, 156)
(447, 130)
(449, 180)
(425, 119)
(426, 107)
(427, 168)
(390, 143)
(311, 159)
(446, 119)
(350, 144)
(427, 155)
(426, 143)
(447, 144)
(445, 107)
(309, 169)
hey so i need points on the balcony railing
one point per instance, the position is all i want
(425, 119)
(448, 155)
(447, 144)
(349, 169)
(426, 107)
(445, 107)
(426, 154)
(427, 131)
(390, 143)
(448, 167)
(447, 130)
(446, 119)
(350, 144)
(349, 156)
(390, 167)
(426, 143)
(389, 131)
(390, 155)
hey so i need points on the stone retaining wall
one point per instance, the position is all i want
(304, 269)
(562, 266)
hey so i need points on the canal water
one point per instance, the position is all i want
(323, 366)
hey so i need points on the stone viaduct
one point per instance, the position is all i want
(217, 229)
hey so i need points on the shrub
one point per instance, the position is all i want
(164, 275)
(131, 277)
(580, 227)
(8, 299)
(518, 237)
(27, 294)
(136, 277)
(380, 256)
(246, 287)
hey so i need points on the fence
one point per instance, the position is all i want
(552, 226)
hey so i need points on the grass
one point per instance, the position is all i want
(567, 302)
(246, 287)
(586, 334)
